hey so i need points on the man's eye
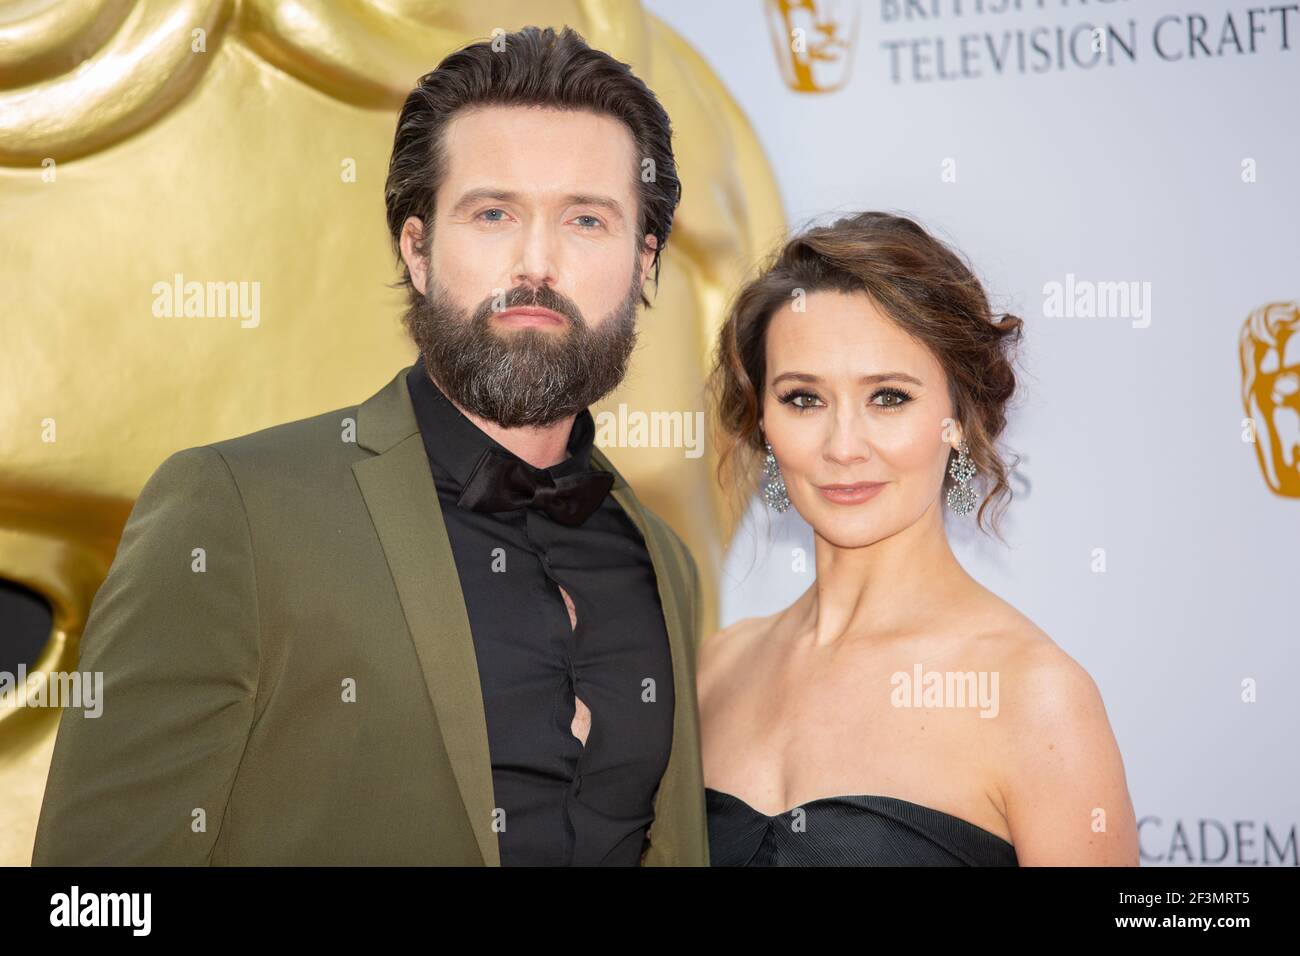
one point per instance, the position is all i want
(486, 212)
(595, 223)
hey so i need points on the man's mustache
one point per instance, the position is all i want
(543, 297)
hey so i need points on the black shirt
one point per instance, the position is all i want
(559, 802)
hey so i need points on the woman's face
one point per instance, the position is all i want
(858, 416)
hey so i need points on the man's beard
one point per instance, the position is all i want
(527, 376)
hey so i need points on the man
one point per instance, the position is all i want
(437, 627)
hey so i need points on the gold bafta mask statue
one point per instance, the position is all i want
(1270, 392)
(239, 148)
(814, 42)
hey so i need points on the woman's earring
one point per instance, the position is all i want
(774, 492)
(961, 496)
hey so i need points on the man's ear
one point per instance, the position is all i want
(416, 264)
(648, 255)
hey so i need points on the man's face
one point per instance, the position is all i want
(536, 208)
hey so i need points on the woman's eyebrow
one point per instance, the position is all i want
(864, 380)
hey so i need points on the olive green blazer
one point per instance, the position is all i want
(289, 675)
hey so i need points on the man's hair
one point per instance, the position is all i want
(532, 67)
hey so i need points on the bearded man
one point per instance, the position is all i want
(436, 627)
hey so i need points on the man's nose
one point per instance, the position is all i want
(535, 263)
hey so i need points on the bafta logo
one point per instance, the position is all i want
(1270, 392)
(814, 42)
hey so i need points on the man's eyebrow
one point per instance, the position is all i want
(487, 193)
(612, 206)
(865, 379)
(483, 194)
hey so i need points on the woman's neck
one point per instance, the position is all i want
(883, 588)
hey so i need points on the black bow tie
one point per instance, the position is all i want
(502, 482)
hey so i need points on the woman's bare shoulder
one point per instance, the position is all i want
(1039, 679)
(1041, 683)
(1060, 769)
(1006, 635)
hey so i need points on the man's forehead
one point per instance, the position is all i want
(539, 150)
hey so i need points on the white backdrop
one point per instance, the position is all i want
(1177, 165)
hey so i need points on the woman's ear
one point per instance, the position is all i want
(953, 434)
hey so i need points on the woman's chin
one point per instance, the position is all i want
(843, 533)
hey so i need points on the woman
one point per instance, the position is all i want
(898, 712)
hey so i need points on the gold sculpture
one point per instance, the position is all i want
(1270, 392)
(231, 154)
(814, 42)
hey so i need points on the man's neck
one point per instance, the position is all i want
(541, 447)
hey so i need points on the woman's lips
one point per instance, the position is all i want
(853, 494)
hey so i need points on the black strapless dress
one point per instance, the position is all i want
(848, 831)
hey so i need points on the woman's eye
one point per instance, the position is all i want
(800, 400)
(892, 398)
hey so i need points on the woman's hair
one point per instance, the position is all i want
(539, 68)
(922, 285)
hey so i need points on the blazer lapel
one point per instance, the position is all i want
(403, 503)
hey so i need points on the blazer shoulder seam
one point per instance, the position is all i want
(257, 619)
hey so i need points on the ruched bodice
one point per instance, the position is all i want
(861, 830)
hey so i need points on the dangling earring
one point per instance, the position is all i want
(961, 496)
(774, 492)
